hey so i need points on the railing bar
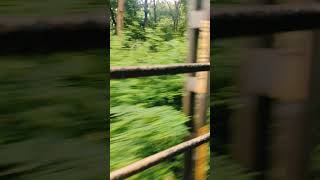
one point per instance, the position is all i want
(233, 21)
(155, 70)
(155, 159)
(42, 35)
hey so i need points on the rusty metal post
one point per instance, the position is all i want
(202, 97)
(188, 97)
(250, 122)
(195, 100)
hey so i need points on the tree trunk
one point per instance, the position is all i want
(145, 22)
(120, 17)
(177, 15)
(155, 11)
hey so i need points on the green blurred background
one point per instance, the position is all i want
(53, 107)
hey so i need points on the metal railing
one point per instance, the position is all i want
(233, 21)
(228, 22)
(82, 32)
(156, 70)
(38, 35)
(157, 158)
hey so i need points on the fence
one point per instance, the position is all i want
(158, 158)
(81, 32)
(74, 35)
(195, 91)
(263, 19)
(144, 71)
(228, 22)
(33, 35)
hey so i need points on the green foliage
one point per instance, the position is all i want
(134, 32)
(148, 91)
(155, 49)
(164, 26)
(137, 132)
(165, 90)
(145, 112)
(134, 17)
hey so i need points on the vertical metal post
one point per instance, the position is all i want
(293, 134)
(250, 122)
(195, 102)
(188, 98)
(202, 97)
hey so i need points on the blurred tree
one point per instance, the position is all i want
(155, 11)
(175, 13)
(120, 16)
(145, 21)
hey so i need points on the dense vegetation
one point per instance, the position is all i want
(146, 113)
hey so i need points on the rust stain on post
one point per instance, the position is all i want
(202, 88)
(203, 56)
(201, 167)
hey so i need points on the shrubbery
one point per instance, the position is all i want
(146, 114)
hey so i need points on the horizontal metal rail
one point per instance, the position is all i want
(155, 70)
(33, 35)
(230, 21)
(82, 32)
(155, 159)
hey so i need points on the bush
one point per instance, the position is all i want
(145, 112)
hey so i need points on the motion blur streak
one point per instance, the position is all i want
(52, 99)
(266, 105)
